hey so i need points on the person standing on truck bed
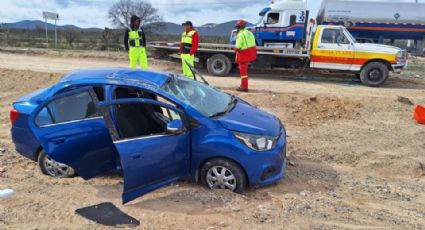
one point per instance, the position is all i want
(246, 52)
(135, 44)
(188, 47)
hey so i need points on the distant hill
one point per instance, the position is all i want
(34, 24)
(210, 29)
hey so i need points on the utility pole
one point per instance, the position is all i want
(56, 34)
(45, 25)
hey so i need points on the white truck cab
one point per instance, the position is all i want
(282, 24)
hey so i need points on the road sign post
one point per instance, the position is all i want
(51, 16)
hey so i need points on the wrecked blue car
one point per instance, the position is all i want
(156, 128)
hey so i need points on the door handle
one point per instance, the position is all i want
(136, 156)
(59, 141)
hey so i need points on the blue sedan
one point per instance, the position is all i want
(156, 128)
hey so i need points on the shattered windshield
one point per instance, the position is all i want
(207, 100)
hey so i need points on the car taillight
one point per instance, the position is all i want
(14, 115)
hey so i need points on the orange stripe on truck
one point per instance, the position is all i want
(339, 60)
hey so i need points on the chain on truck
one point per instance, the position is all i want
(302, 43)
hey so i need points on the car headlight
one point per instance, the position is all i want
(401, 56)
(256, 142)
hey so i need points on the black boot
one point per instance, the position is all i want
(240, 89)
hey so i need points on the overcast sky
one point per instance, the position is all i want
(92, 13)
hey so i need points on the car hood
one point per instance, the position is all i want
(248, 119)
(377, 48)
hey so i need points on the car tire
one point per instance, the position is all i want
(219, 65)
(374, 74)
(52, 168)
(236, 178)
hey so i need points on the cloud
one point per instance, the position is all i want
(92, 13)
(86, 13)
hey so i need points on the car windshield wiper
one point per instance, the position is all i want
(230, 107)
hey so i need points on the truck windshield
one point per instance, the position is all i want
(260, 21)
(209, 101)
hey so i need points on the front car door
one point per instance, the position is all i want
(333, 50)
(71, 129)
(150, 156)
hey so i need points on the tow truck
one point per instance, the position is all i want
(326, 47)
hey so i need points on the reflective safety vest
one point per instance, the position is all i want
(245, 40)
(187, 41)
(134, 38)
(246, 48)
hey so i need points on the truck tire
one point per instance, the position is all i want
(219, 65)
(374, 74)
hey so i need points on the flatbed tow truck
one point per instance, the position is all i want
(329, 47)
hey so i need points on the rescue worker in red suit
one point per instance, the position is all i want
(188, 47)
(246, 52)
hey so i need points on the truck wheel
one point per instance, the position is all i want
(374, 74)
(223, 174)
(219, 65)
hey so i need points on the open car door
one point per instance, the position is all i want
(154, 145)
(72, 131)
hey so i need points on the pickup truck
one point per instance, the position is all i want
(327, 47)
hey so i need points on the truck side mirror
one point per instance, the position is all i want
(339, 40)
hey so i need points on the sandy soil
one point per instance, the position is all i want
(357, 157)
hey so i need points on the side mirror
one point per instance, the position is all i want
(175, 127)
(339, 40)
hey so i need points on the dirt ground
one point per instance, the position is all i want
(358, 157)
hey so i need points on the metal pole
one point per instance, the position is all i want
(56, 35)
(45, 24)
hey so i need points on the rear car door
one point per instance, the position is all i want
(72, 131)
(334, 50)
(150, 156)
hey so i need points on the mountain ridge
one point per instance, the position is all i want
(169, 28)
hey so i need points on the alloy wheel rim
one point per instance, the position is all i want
(218, 66)
(220, 177)
(54, 168)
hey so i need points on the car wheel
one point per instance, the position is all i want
(374, 74)
(52, 168)
(223, 174)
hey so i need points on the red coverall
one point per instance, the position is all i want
(246, 52)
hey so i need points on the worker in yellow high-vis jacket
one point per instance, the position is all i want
(135, 44)
(188, 47)
(246, 52)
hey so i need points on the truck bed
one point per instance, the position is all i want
(229, 49)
